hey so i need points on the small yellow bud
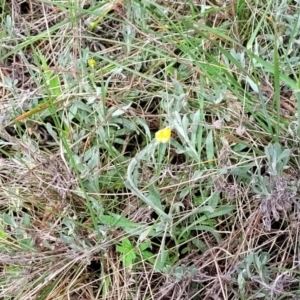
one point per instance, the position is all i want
(91, 63)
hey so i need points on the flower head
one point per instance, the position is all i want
(163, 135)
(91, 63)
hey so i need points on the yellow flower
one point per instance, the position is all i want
(91, 63)
(163, 135)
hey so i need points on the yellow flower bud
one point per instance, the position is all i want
(91, 63)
